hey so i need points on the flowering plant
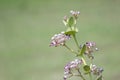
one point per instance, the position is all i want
(78, 67)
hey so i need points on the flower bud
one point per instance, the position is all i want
(75, 13)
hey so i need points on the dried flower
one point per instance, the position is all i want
(71, 65)
(59, 39)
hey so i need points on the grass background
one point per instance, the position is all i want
(26, 27)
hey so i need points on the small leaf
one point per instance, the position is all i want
(65, 23)
(71, 21)
(76, 29)
(86, 68)
(72, 32)
(83, 50)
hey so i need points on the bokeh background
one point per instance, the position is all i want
(26, 27)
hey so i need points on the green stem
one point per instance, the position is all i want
(71, 50)
(81, 75)
(84, 62)
(76, 41)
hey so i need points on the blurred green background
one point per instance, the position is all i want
(26, 27)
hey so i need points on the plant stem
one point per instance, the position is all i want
(81, 75)
(71, 50)
(76, 41)
(84, 62)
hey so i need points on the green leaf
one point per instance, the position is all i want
(83, 50)
(72, 32)
(71, 21)
(76, 29)
(65, 23)
(86, 68)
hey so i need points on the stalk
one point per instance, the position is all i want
(71, 50)
(74, 36)
(81, 75)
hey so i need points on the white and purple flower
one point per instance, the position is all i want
(96, 70)
(70, 66)
(75, 13)
(59, 39)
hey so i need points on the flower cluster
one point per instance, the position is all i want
(90, 47)
(71, 21)
(78, 67)
(75, 13)
(59, 39)
(96, 70)
(70, 66)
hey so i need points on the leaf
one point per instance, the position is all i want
(76, 29)
(86, 68)
(72, 32)
(65, 23)
(71, 21)
(83, 50)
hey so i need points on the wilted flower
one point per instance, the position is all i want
(59, 39)
(75, 13)
(96, 70)
(71, 65)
